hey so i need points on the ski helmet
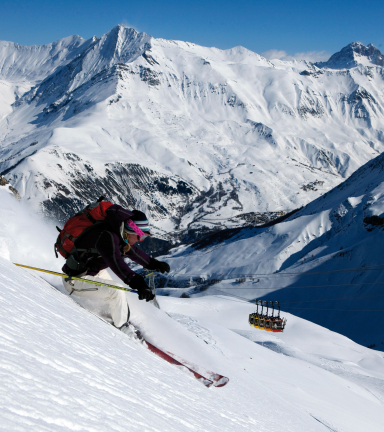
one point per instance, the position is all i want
(140, 225)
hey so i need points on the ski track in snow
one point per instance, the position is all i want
(201, 332)
(343, 369)
(373, 385)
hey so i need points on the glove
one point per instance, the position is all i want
(160, 266)
(138, 284)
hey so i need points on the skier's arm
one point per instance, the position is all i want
(108, 246)
(115, 216)
(138, 256)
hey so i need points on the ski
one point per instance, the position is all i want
(208, 379)
(212, 379)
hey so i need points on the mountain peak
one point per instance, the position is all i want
(125, 32)
(353, 55)
(124, 43)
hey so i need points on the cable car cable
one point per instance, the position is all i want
(363, 269)
(293, 287)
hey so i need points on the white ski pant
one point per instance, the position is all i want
(116, 299)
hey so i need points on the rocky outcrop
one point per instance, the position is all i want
(5, 182)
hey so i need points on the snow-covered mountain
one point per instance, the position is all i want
(324, 263)
(353, 55)
(228, 136)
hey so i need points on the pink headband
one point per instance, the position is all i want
(135, 228)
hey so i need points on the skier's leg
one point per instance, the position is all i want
(82, 289)
(119, 308)
(116, 299)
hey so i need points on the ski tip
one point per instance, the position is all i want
(219, 380)
(208, 383)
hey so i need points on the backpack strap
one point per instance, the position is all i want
(59, 244)
(87, 214)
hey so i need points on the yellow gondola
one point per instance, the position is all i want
(267, 322)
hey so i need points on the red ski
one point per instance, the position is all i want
(208, 379)
(212, 378)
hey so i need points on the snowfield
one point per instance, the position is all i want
(63, 368)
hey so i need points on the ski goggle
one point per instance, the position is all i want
(141, 235)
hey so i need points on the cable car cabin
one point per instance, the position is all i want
(254, 320)
(278, 324)
(267, 322)
(261, 323)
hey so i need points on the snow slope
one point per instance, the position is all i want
(33, 63)
(224, 133)
(64, 369)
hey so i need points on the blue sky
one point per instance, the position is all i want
(282, 28)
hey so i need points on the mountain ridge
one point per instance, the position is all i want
(26, 63)
(251, 135)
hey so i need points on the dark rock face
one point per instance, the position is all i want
(149, 76)
(348, 56)
(119, 184)
(312, 186)
(15, 192)
(370, 51)
(360, 100)
(371, 222)
(5, 182)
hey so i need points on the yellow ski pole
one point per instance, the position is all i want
(63, 275)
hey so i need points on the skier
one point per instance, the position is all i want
(107, 244)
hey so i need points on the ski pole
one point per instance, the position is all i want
(152, 286)
(63, 275)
